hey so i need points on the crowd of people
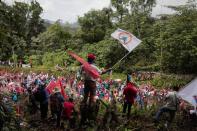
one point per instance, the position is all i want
(37, 87)
(66, 99)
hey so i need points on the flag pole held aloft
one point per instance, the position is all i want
(87, 67)
(128, 41)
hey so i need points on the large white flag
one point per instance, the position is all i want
(189, 92)
(128, 40)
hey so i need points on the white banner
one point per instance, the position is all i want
(189, 92)
(128, 40)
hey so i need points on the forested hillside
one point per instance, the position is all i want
(169, 42)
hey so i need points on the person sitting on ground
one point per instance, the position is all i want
(129, 93)
(170, 107)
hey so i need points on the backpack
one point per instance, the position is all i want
(14, 97)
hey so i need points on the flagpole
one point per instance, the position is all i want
(113, 67)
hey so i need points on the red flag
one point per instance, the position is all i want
(81, 60)
(59, 84)
(86, 66)
(51, 86)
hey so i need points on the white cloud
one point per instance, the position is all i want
(69, 10)
(161, 9)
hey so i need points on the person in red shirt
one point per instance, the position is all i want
(129, 94)
(68, 111)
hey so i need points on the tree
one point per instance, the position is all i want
(94, 25)
(178, 41)
(19, 23)
(55, 37)
(35, 25)
(121, 9)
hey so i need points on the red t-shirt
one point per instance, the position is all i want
(130, 92)
(68, 109)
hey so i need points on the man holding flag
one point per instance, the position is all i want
(91, 72)
(90, 81)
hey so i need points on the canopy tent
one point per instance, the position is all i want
(189, 92)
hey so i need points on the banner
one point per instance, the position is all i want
(128, 40)
(59, 84)
(86, 66)
(51, 86)
(189, 92)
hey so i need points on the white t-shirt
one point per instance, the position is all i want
(87, 76)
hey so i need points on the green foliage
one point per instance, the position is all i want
(50, 59)
(14, 58)
(94, 25)
(18, 24)
(178, 41)
(55, 37)
(101, 50)
(169, 81)
(26, 59)
(168, 42)
(36, 60)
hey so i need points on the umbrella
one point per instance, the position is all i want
(86, 66)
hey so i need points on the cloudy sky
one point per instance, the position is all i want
(69, 10)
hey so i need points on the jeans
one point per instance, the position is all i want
(125, 106)
(90, 88)
(1, 124)
(43, 110)
(58, 113)
(166, 109)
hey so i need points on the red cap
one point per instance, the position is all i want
(91, 56)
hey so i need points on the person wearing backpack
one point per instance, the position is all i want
(56, 104)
